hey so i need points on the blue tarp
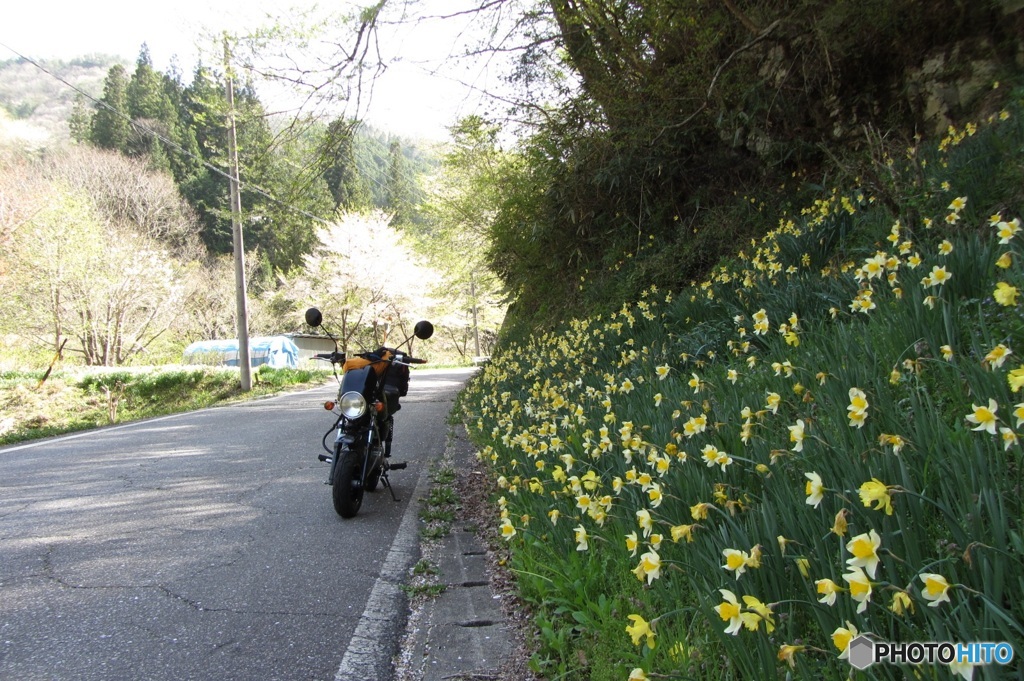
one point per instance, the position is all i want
(275, 351)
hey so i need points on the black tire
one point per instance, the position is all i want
(372, 480)
(346, 491)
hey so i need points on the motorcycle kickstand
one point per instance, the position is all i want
(387, 483)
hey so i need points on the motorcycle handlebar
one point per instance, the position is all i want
(332, 357)
(339, 358)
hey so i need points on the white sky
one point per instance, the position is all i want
(408, 99)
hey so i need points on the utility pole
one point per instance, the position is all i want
(476, 326)
(241, 307)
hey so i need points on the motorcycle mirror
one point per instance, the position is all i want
(313, 317)
(423, 330)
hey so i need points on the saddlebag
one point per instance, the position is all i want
(397, 380)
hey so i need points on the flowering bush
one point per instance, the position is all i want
(819, 440)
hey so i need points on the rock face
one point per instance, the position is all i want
(949, 84)
(809, 88)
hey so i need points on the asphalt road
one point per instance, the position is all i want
(204, 546)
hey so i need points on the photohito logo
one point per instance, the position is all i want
(864, 652)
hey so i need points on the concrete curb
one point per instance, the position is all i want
(461, 634)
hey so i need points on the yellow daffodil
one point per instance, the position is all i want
(783, 543)
(796, 435)
(860, 587)
(754, 560)
(1018, 413)
(814, 489)
(508, 530)
(936, 589)
(729, 610)
(632, 542)
(858, 407)
(828, 590)
(700, 511)
(947, 352)
(649, 567)
(1005, 261)
(735, 561)
(984, 417)
(839, 525)
(655, 496)
(804, 566)
(581, 538)
(764, 612)
(841, 638)
(895, 441)
(643, 518)
(965, 670)
(787, 654)
(937, 277)
(1007, 230)
(1005, 294)
(997, 356)
(901, 603)
(640, 629)
(1016, 379)
(876, 492)
(864, 548)
(682, 532)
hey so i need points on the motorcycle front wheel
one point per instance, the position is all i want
(346, 485)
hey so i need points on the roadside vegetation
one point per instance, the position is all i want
(821, 438)
(74, 400)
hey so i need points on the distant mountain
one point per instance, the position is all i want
(37, 104)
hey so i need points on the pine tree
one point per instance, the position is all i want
(80, 121)
(397, 188)
(345, 182)
(150, 107)
(110, 126)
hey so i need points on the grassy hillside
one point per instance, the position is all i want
(34, 405)
(820, 439)
(38, 105)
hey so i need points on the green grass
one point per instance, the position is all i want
(71, 401)
(423, 590)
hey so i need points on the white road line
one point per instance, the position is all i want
(368, 656)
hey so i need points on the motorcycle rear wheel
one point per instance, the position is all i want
(346, 486)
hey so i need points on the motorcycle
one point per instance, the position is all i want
(369, 389)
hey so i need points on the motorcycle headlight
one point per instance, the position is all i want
(353, 405)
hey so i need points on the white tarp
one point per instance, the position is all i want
(275, 351)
